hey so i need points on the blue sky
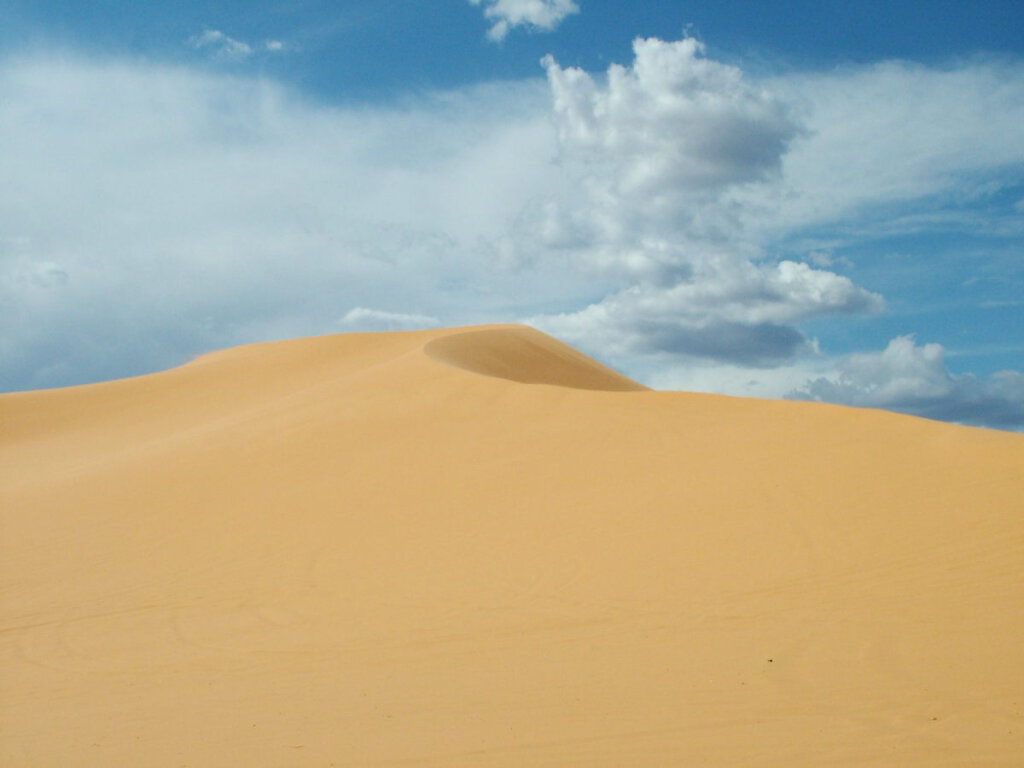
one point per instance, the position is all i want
(818, 200)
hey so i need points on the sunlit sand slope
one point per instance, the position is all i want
(479, 548)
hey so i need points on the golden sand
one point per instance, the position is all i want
(478, 547)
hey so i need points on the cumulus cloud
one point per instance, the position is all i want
(657, 148)
(674, 123)
(735, 312)
(914, 379)
(543, 15)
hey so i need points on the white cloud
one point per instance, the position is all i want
(892, 134)
(734, 311)
(905, 377)
(534, 14)
(222, 46)
(688, 173)
(914, 379)
(741, 380)
(673, 123)
(657, 149)
(150, 213)
(363, 319)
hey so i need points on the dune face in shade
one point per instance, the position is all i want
(527, 356)
(478, 547)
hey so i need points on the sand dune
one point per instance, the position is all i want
(524, 355)
(478, 547)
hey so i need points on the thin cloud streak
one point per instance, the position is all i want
(221, 46)
(382, 320)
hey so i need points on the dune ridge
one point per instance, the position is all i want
(527, 356)
(478, 547)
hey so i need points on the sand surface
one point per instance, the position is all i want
(478, 547)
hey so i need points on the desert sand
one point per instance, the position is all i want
(478, 547)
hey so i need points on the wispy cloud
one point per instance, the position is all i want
(892, 144)
(220, 45)
(544, 15)
(151, 213)
(379, 320)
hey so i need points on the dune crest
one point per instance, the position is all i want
(525, 355)
(391, 549)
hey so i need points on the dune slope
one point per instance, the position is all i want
(477, 547)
